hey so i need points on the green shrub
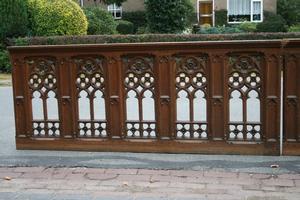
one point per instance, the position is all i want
(100, 21)
(221, 17)
(5, 65)
(138, 18)
(125, 27)
(289, 10)
(294, 28)
(247, 26)
(13, 18)
(56, 17)
(103, 39)
(219, 30)
(165, 16)
(272, 23)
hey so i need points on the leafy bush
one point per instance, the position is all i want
(100, 21)
(165, 16)
(272, 23)
(289, 10)
(247, 26)
(13, 18)
(56, 17)
(5, 65)
(125, 27)
(103, 39)
(138, 18)
(219, 30)
(294, 28)
(221, 17)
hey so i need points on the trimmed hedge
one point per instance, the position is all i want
(125, 27)
(56, 17)
(102, 39)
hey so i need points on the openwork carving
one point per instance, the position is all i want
(245, 81)
(139, 91)
(90, 84)
(43, 86)
(191, 91)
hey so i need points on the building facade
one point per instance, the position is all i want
(237, 10)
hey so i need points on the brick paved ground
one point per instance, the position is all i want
(37, 183)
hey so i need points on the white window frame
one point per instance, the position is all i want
(251, 12)
(114, 10)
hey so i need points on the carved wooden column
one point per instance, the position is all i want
(218, 85)
(272, 84)
(115, 96)
(164, 110)
(65, 102)
(292, 98)
(21, 108)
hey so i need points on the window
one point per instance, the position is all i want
(245, 10)
(115, 10)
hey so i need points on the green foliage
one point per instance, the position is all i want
(247, 26)
(100, 21)
(294, 28)
(125, 27)
(272, 23)
(13, 18)
(289, 10)
(165, 16)
(221, 17)
(5, 65)
(103, 39)
(138, 18)
(56, 17)
(142, 30)
(219, 30)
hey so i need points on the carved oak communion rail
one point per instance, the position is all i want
(189, 97)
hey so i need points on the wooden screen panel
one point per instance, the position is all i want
(139, 81)
(291, 98)
(191, 97)
(245, 85)
(90, 86)
(42, 82)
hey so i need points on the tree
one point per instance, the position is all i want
(13, 18)
(289, 10)
(165, 16)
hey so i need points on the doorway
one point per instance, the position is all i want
(205, 12)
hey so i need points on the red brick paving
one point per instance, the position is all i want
(150, 184)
